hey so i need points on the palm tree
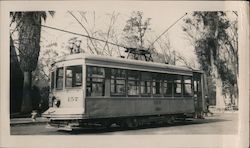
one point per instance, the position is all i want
(28, 26)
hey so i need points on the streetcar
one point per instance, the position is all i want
(94, 90)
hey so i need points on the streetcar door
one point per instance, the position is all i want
(198, 93)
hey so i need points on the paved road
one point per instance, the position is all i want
(217, 124)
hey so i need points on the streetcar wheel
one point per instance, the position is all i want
(171, 120)
(123, 124)
(132, 123)
(135, 123)
(107, 124)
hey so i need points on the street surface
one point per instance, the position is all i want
(226, 123)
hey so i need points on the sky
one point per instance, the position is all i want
(160, 20)
(162, 13)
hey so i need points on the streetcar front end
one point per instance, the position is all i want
(66, 99)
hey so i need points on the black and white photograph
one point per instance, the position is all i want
(135, 68)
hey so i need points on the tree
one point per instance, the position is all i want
(215, 39)
(110, 35)
(41, 75)
(28, 26)
(16, 80)
(107, 32)
(135, 29)
(165, 54)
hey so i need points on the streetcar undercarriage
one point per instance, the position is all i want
(123, 122)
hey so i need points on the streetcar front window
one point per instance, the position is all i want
(59, 78)
(73, 76)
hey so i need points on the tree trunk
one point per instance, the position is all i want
(220, 100)
(220, 103)
(27, 102)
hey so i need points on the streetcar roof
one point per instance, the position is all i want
(109, 59)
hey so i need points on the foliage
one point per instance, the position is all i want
(44, 103)
(214, 36)
(28, 26)
(135, 29)
(36, 98)
(41, 76)
(29, 33)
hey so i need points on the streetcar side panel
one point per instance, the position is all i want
(123, 107)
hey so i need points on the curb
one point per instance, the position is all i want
(13, 123)
(28, 123)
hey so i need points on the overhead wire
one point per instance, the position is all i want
(83, 35)
(166, 30)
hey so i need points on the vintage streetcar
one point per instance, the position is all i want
(91, 90)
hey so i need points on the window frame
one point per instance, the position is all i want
(115, 79)
(57, 78)
(91, 82)
(176, 83)
(52, 80)
(168, 79)
(135, 80)
(157, 78)
(191, 86)
(72, 87)
(146, 80)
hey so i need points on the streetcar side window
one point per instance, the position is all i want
(187, 80)
(73, 76)
(95, 81)
(52, 82)
(118, 77)
(177, 85)
(146, 83)
(133, 82)
(59, 78)
(168, 85)
(157, 84)
(197, 86)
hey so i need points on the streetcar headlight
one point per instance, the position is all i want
(57, 102)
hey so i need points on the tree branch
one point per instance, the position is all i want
(84, 29)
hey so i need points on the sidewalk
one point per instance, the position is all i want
(16, 121)
(214, 110)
